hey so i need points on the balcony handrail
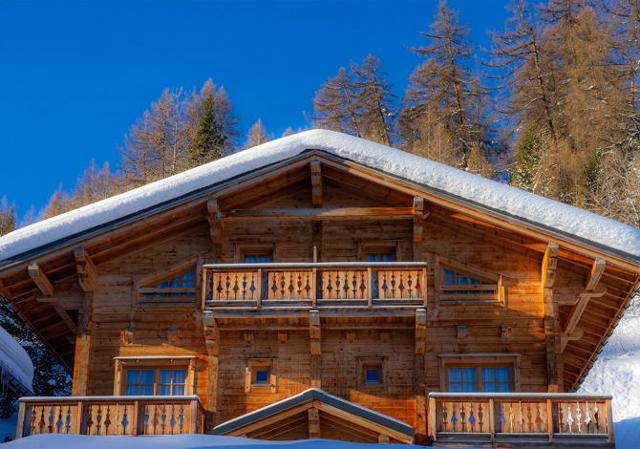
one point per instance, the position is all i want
(109, 398)
(518, 395)
(240, 266)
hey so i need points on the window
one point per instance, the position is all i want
(373, 375)
(261, 375)
(159, 376)
(467, 284)
(262, 253)
(371, 372)
(479, 378)
(381, 251)
(155, 381)
(176, 284)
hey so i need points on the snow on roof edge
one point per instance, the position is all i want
(552, 214)
(15, 360)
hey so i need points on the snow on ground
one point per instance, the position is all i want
(178, 442)
(489, 193)
(15, 359)
(617, 372)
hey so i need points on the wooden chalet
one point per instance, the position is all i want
(323, 286)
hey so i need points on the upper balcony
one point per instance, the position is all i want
(363, 285)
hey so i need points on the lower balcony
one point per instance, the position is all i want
(110, 415)
(317, 285)
(520, 419)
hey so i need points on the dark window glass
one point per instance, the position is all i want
(262, 376)
(373, 376)
(462, 380)
(380, 257)
(492, 379)
(258, 258)
(139, 382)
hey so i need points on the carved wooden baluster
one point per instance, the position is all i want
(501, 418)
(145, 420)
(393, 285)
(50, 419)
(472, 417)
(463, 414)
(587, 418)
(596, 417)
(454, 417)
(569, 417)
(172, 419)
(59, 421)
(511, 428)
(445, 413)
(181, 420)
(67, 420)
(125, 419)
(538, 418)
(243, 286)
(282, 287)
(107, 421)
(410, 287)
(401, 286)
(480, 417)
(163, 418)
(382, 284)
(578, 417)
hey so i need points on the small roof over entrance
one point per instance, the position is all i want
(313, 414)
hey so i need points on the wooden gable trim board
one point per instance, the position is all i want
(320, 214)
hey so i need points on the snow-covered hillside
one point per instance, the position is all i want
(617, 372)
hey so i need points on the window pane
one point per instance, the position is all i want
(262, 376)
(372, 376)
(455, 388)
(179, 376)
(131, 390)
(146, 390)
(165, 376)
(503, 388)
(488, 387)
(164, 390)
(488, 374)
(455, 375)
(469, 375)
(380, 257)
(470, 388)
(178, 390)
(146, 376)
(133, 376)
(258, 258)
(502, 374)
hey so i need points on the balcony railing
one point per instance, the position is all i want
(511, 418)
(315, 284)
(110, 415)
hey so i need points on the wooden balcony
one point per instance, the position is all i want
(110, 415)
(520, 419)
(316, 285)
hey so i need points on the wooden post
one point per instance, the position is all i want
(550, 419)
(424, 287)
(315, 348)
(80, 424)
(194, 416)
(609, 421)
(314, 423)
(259, 289)
(314, 287)
(21, 416)
(370, 287)
(492, 420)
(433, 424)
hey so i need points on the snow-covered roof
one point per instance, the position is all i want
(15, 360)
(514, 202)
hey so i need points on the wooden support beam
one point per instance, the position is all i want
(55, 303)
(86, 269)
(420, 375)
(315, 348)
(345, 213)
(314, 423)
(421, 331)
(214, 216)
(590, 291)
(40, 279)
(420, 214)
(212, 342)
(316, 183)
(549, 265)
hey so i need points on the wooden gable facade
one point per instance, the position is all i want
(320, 272)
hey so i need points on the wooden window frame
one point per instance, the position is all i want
(253, 365)
(156, 363)
(497, 284)
(144, 285)
(369, 361)
(378, 246)
(480, 361)
(242, 249)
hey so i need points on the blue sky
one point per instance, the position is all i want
(75, 74)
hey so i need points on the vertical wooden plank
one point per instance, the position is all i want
(259, 288)
(193, 424)
(550, 419)
(370, 287)
(610, 421)
(314, 287)
(424, 287)
(135, 421)
(81, 428)
(313, 417)
(432, 418)
(492, 420)
(21, 418)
